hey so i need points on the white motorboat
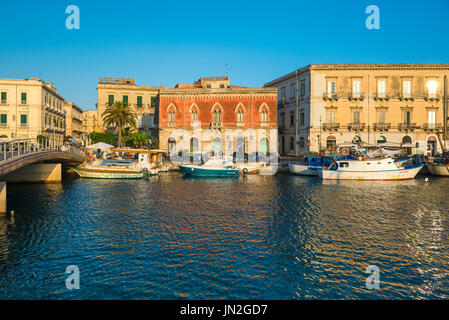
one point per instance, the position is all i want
(371, 169)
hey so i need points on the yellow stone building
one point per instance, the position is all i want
(141, 98)
(73, 121)
(29, 108)
(379, 104)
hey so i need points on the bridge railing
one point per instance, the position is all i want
(18, 147)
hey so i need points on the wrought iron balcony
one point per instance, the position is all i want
(381, 126)
(216, 124)
(406, 97)
(432, 97)
(357, 126)
(356, 96)
(331, 126)
(406, 126)
(432, 126)
(381, 97)
(330, 96)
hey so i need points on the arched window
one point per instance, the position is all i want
(356, 139)
(171, 117)
(194, 116)
(240, 149)
(264, 116)
(171, 111)
(217, 147)
(240, 111)
(171, 146)
(193, 145)
(240, 116)
(217, 117)
(331, 143)
(406, 140)
(263, 110)
(381, 139)
(193, 113)
(263, 146)
(217, 114)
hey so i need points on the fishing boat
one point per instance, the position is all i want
(137, 164)
(439, 166)
(215, 167)
(309, 167)
(371, 169)
(98, 171)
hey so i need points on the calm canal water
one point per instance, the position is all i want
(264, 237)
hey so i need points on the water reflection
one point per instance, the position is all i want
(264, 237)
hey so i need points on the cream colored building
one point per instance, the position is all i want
(139, 97)
(29, 108)
(73, 121)
(332, 104)
(90, 121)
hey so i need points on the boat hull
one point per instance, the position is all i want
(439, 169)
(208, 172)
(303, 169)
(385, 175)
(108, 174)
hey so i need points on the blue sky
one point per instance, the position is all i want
(179, 41)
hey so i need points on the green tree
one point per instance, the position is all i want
(108, 137)
(154, 143)
(139, 139)
(119, 115)
(127, 136)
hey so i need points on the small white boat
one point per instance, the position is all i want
(372, 169)
(215, 167)
(439, 166)
(250, 168)
(310, 167)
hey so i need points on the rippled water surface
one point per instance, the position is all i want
(281, 237)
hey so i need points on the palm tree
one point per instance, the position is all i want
(127, 135)
(118, 116)
(139, 139)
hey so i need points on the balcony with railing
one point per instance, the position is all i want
(381, 97)
(354, 96)
(356, 126)
(406, 126)
(216, 124)
(329, 126)
(432, 96)
(432, 126)
(330, 96)
(406, 97)
(381, 126)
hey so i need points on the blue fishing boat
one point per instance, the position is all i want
(312, 165)
(212, 168)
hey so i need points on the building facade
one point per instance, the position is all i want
(29, 108)
(212, 115)
(333, 104)
(73, 121)
(90, 121)
(139, 97)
